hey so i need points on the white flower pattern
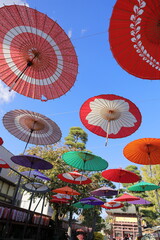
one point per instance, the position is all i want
(116, 112)
(136, 36)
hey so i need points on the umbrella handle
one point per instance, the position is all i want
(29, 63)
(108, 126)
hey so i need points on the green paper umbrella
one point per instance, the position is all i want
(82, 205)
(85, 161)
(143, 186)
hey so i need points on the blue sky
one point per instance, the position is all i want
(86, 23)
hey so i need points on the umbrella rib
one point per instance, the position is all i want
(29, 39)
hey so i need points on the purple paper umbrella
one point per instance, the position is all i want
(32, 161)
(35, 174)
(140, 201)
(104, 191)
(92, 201)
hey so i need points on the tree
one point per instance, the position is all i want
(152, 176)
(53, 154)
(76, 139)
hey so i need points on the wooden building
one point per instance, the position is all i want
(124, 223)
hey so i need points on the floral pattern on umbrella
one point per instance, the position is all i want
(134, 35)
(110, 116)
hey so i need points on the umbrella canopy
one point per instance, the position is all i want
(126, 198)
(140, 201)
(32, 161)
(143, 186)
(32, 127)
(82, 205)
(35, 174)
(104, 191)
(74, 178)
(35, 187)
(120, 175)
(62, 196)
(110, 116)
(85, 161)
(58, 200)
(3, 164)
(1, 141)
(39, 60)
(91, 200)
(66, 190)
(112, 205)
(134, 35)
(144, 151)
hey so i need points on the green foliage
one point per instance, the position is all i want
(98, 236)
(76, 139)
(133, 169)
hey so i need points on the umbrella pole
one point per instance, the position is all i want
(29, 63)
(70, 225)
(28, 141)
(138, 221)
(39, 223)
(27, 217)
(157, 196)
(108, 126)
(13, 84)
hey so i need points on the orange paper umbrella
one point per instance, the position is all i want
(66, 190)
(134, 36)
(126, 198)
(144, 151)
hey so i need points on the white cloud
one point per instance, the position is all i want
(5, 95)
(11, 2)
(70, 33)
(83, 31)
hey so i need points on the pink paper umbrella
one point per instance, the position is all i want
(140, 201)
(74, 178)
(110, 116)
(104, 191)
(38, 59)
(126, 198)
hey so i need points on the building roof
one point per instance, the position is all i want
(125, 210)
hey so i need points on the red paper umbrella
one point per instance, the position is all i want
(58, 201)
(110, 116)
(1, 141)
(120, 175)
(62, 196)
(126, 198)
(37, 57)
(3, 164)
(74, 177)
(134, 36)
(112, 205)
